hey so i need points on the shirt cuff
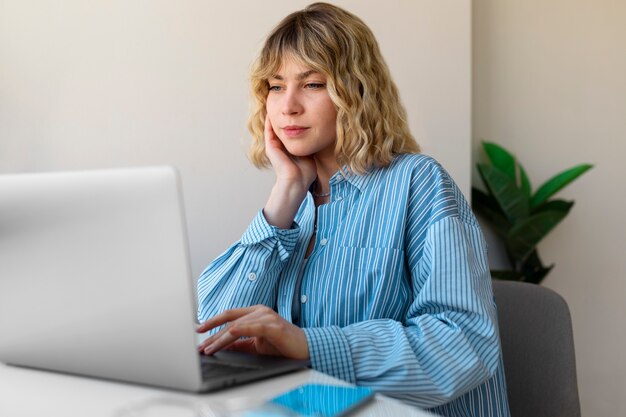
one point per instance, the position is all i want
(263, 233)
(330, 352)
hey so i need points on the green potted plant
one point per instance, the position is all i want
(519, 217)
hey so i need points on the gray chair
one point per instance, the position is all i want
(538, 350)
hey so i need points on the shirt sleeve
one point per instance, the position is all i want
(448, 342)
(247, 273)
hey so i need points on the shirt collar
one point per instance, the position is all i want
(358, 181)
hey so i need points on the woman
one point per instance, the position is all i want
(366, 259)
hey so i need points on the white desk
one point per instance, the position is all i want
(29, 393)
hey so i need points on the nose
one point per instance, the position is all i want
(291, 103)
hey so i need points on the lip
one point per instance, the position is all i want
(294, 130)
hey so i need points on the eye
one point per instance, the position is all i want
(275, 88)
(315, 86)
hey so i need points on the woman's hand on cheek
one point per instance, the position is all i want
(267, 333)
(288, 168)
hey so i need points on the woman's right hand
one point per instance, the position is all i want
(294, 176)
(290, 170)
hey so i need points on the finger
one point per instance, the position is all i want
(222, 341)
(274, 148)
(269, 135)
(209, 340)
(210, 352)
(269, 130)
(255, 346)
(277, 335)
(206, 342)
(205, 345)
(245, 345)
(249, 325)
(223, 318)
(257, 327)
(229, 319)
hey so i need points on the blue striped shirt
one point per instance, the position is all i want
(396, 294)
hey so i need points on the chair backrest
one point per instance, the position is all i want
(538, 350)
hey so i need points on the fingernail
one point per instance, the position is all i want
(208, 350)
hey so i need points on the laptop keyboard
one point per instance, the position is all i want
(212, 369)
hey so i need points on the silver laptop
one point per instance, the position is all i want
(95, 280)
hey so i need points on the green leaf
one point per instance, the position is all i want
(538, 275)
(511, 200)
(500, 158)
(524, 236)
(533, 270)
(481, 199)
(507, 163)
(487, 207)
(556, 183)
(554, 205)
(506, 275)
(525, 182)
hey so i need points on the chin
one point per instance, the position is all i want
(299, 151)
(301, 154)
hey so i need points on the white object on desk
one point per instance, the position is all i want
(26, 393)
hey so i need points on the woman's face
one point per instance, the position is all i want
(301, 112)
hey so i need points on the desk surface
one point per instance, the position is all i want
(27, 393)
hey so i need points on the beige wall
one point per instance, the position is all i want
(549, 82)
(117, 83)
(91, 84)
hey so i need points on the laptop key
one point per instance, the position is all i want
(214, 369)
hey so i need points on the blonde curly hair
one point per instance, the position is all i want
(371, 122)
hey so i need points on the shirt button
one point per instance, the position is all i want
(339, 199)
(304, 299)
(252, 276)
(323, 242)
